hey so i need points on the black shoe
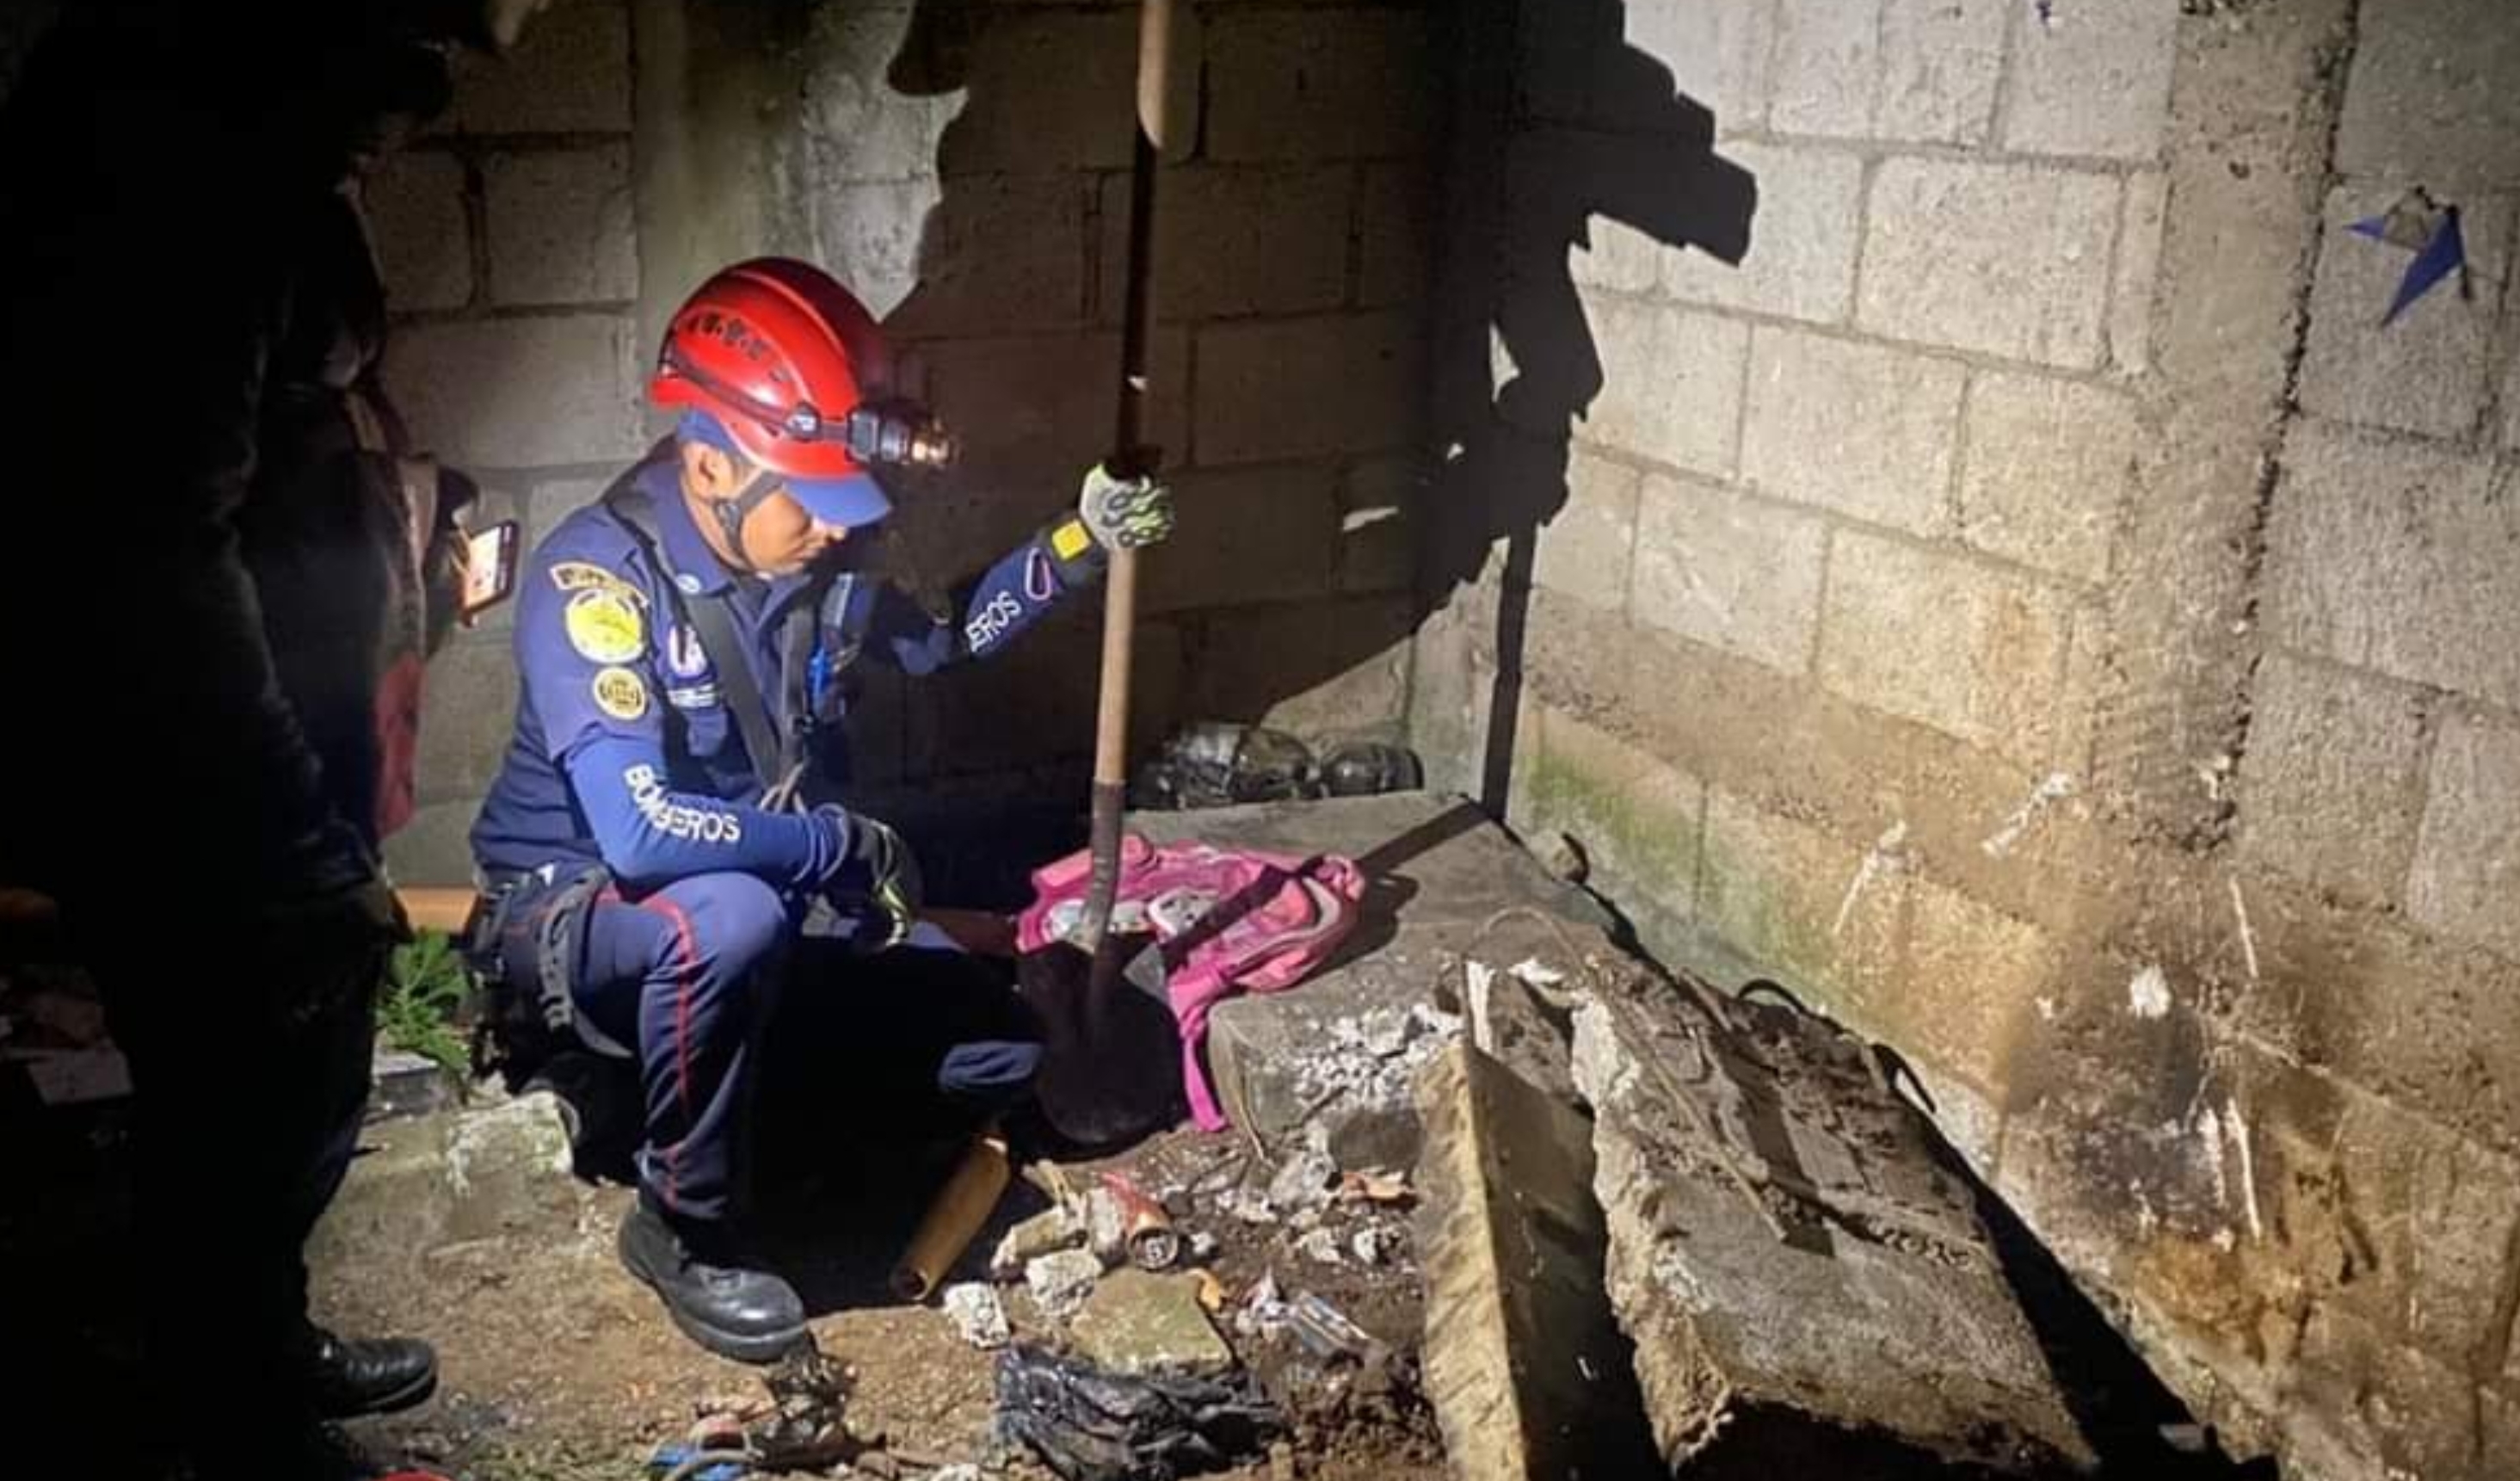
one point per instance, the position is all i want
(347, 1378)
(748, 1314)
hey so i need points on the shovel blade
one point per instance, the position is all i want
(1110, 1069)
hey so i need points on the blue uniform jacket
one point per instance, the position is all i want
(625, 749)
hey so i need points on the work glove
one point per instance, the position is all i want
(1125, 514)
(878, 872)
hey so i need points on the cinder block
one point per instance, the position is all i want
(1584, 548)
(1046, 92)
(1975, 652)
(2330, 790)
(1799, 905)
(867, 235)
(2467, 871)
(518, 392)
(1717, 51)
(2048, 465)
(999, 252)
(1318, 85)
(2430, 371)
(855, 123)
(2438, 1214)
(1967, 983)
(1236, 240)
(1323, 668)
(1672, 383)
(571, 76)
(1636, 818)
(1730, 571)
(1801, 262)
(1858, 429)
(1299, 387)
(2393, 555)
(1380, 506)
(561, 227)
(1034, 410)
(2094, 79)
(467, 714)
(2434, 95)
(555, 500)
(2008, 259)
(435, 847)
(1247, 535)
(1827, 66)
(415, 204)
(1940, 63)
(1616, 256)
(2139, 272)
(1395, 215)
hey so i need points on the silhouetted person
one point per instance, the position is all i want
(197, 777)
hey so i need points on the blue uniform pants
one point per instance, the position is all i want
(688, 974)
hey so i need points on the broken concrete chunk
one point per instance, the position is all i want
(1800, 1275)
(1059, 1282)
(1048, 1232)
(1140, 1323)
(1320, 1247)
(978, 1315)
(1512, 1023)
(1529, 1375)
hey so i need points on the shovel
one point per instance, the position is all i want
(1111, 1054)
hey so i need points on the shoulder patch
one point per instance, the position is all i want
(605, 626)
(621, 693)
(587, 576)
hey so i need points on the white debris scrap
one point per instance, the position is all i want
(978, 1315)
(1060, 1283)
(1370, 1060)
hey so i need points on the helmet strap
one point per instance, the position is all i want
(732, 512)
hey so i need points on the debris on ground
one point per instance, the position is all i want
(1138, 1322)
(1061, 1281)
(1089, 1424)
(978, 1315)
(1369, 1059)
(1048, 1232)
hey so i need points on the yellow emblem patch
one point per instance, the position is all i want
(584, 575)
(1070, 540)
(605, 627)
(621, 693)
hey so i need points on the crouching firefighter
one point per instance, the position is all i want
(664, 842)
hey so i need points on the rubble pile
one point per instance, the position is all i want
(1370, 1061)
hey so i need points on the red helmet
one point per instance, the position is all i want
(793, 370)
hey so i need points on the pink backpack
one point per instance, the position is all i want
(1229, 921)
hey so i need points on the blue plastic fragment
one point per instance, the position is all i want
(2446, 253)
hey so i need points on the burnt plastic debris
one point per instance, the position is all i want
(1369, 769)
(1088, 1424)
(1221, 764)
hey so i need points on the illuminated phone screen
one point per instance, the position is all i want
(489, 566)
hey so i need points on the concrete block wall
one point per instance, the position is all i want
(2032, 607)
(965, 169)
(512, 268)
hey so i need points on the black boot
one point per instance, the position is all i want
(351, 1376)
(748, 1314)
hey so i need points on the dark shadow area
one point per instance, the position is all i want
(1587, 127)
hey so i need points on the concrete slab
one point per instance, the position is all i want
(1529, 1375)
(1440, 871)
(1809, 1290)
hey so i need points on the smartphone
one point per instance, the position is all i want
(489, 567)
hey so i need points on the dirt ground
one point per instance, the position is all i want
(559, 1367)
